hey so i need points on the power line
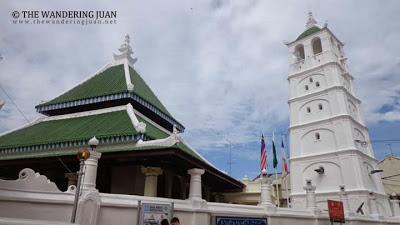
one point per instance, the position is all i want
(395, 175)
(16, 106)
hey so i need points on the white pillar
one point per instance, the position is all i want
(266, 199)
(373, 207)
(72, 178)
(150, 183)
(90, 172)
(195, 183)
(395, 205)
(345, 199)
(311, 202)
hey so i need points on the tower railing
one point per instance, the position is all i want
(300, 65)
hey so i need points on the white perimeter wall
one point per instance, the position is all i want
(24, 207)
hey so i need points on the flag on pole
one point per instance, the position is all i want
(263, 158)
(274, 159)
(285, 168)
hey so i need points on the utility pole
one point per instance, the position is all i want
(390, 148)
(230, 156)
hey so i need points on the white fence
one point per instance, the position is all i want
(32, 199)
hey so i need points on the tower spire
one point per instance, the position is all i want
(311, 21)
(125, 51)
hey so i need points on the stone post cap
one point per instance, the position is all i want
(151, 171)
(94, 155)
(196, 171)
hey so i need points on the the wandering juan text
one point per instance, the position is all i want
(70, 14)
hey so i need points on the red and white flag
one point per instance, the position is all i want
(285, 168)
(263, 156)
(2, 103)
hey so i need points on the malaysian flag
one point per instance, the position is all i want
(263, 159)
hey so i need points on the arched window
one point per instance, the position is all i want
(316, 45)
(320, 106)
(317, 136)
(306, 87)
(299, 52)
(317, 84)
(308, 109)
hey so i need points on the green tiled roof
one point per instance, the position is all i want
(112, 124)
(66, 152)
(108, 82)
(106, 125)
(308, 32)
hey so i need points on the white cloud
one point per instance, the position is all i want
(219, 66)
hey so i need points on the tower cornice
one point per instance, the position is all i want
(316, 93)
(315, 68)
(343, 151)
(330, 119)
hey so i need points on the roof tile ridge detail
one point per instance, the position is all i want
(128, 80)
(139, 126)
(86, 113)
(163, 142)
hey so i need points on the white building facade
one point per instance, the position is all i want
(329, 141)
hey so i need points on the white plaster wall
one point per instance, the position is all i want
(122, 210)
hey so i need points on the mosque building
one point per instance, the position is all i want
(142, 151)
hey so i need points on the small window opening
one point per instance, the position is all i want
(308, 109)
(316, 45)
(306, 87)
(320, 106)
(317, 84)
(317, 136)
(311, 80)
(299, 52)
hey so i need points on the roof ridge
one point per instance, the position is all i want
(151, 121)
(85, 113)
(129, 85)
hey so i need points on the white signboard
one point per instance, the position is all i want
(153, 214)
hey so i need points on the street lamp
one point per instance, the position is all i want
(83, 154)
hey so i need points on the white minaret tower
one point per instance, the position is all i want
(329, 141)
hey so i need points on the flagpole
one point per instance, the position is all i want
(276, 185)
(287, 192)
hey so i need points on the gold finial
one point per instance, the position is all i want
(83, 154)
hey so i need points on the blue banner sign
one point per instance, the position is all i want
(219, 220)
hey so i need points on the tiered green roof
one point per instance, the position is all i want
(62, 137)
(66, 132)
(109, 82)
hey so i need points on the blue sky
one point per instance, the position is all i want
(220, 67)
